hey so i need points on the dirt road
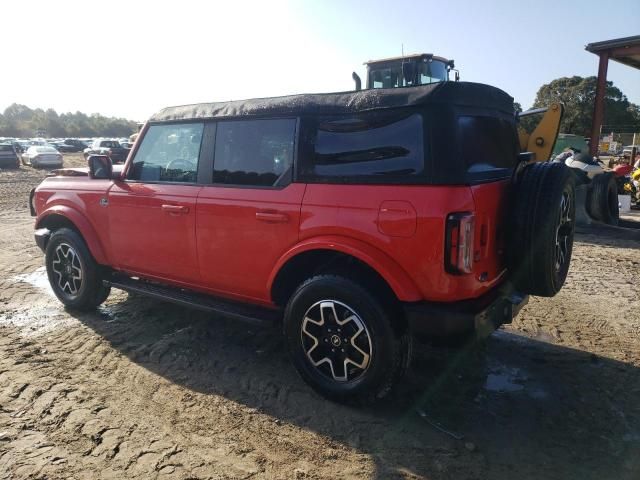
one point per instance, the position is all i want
(142, 389)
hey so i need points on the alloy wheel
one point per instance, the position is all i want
(67, 268)
(563, 232)
(336, 341)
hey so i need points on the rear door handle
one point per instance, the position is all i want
(272, 217)
(175, 208)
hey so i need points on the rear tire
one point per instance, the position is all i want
(542, 228)
(74, 275)
(603, 199)
(342, 342)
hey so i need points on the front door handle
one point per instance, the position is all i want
(175, 208)
(272, 217)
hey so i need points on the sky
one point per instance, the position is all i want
(132, 58)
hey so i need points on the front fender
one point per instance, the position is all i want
(399, 281)
(82, 225)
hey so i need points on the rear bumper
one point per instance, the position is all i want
(482, 315)
(10, 162)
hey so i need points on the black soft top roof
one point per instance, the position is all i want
(454, 93)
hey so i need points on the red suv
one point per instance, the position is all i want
(355, 219)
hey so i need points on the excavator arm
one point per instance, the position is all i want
(543, 137)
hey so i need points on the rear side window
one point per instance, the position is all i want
(254, 152)
(369, 146)
(488, 146)
(168, 153)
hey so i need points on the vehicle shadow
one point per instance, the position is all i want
(626, 234)
(512, 407)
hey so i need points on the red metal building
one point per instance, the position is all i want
(623, 50)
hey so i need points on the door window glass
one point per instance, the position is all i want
(168, 153)
(254, 152)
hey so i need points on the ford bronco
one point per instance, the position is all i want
(354, 220)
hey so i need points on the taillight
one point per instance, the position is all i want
(459, 243)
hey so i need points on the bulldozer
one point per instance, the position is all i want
(596, 195)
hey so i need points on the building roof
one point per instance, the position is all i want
(453, 93)
(624, 50)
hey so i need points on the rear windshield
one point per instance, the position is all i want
(488, 146)
(369, 146)
(45, 150)
(109, 144)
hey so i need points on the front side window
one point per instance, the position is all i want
(369, 145)
(168, 153)
(431, 72)
(254, 152)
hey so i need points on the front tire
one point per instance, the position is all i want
(73, 273)
(342, 341)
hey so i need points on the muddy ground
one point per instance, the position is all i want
(142, 389)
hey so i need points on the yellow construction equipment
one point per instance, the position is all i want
(543, 138)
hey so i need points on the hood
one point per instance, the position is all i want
(79, 171)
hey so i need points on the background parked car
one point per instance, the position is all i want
(111, 148)
(78, 144)
(42, 156)
(64, 148)
(8, 156)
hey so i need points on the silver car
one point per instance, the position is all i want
(42, 156)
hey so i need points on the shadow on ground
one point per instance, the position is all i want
(513, 408)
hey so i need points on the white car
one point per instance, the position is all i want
(42, 156)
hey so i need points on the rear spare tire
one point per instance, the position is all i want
(603, 199)
(541, 228)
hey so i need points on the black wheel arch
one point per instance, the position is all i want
(308, 264)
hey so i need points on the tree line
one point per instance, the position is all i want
(23, 122)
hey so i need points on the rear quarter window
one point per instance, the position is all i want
(372, 147)
(488, 146)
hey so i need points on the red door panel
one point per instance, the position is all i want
(152, 230)
(241, 234)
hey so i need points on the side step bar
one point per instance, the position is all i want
(238, 311)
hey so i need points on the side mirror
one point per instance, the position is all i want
(100, 167)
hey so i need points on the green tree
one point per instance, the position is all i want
(578, 95)
(21, 121)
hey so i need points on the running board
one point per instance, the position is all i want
(238, 311)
